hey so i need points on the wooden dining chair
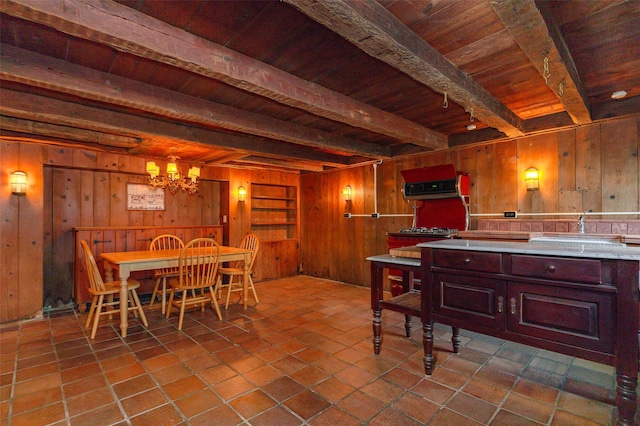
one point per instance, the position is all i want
(164, 242)
(235, 271)
(197, 274)
(98, 289)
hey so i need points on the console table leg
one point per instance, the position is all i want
(626, 399)
(377, 328)
(407, 324)
(455, 339)
(427, 343)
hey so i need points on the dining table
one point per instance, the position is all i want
(125, 262)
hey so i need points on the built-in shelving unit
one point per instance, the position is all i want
(274, 212)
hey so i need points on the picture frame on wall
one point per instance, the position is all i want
(141, 197)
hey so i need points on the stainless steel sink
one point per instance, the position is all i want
(578, 241)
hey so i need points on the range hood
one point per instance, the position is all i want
(436, 182)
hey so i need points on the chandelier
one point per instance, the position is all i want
(174, 179)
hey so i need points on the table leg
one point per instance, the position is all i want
(376, 297)
(124, 293)
(377, 328)
(427, 343)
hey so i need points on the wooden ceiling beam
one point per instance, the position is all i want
(375, 30)
(307, 167)
(37, 70)
(128, 127)
(537, 33)
(128, 30)
(65, 132)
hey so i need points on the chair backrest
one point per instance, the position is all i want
(166, 242)
(198, 264)
(249, 242)
(252, 243)
(95, 279)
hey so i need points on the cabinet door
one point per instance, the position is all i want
(580, 318)
(277, 259)
(480, 301)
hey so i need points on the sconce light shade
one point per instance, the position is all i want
(346, 192)
(531, 178)
(18, 182)
(242, 193)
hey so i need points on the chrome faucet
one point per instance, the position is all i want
(581, 224)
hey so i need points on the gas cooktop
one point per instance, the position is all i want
(425, 230)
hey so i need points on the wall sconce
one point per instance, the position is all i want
(18, 182)
(242, 193)
(531, 178)
(346, 192)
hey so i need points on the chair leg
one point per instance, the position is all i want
(155, 293)
(98, 312)
(170, 303)
(92, 310)
(214, 301)
(183, 304)
(218, 287)
(229, 290)
(138, 306)
(131, 304)
(253, 289)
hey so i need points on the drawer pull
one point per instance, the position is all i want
(513, 305)
(551, 268)
(467, 260)
(500, 304)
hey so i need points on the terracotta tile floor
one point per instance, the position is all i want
(303, 356)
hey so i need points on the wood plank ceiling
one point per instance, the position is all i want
(309, 85)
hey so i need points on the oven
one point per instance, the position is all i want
(440, 197)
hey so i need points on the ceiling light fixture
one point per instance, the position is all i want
(619, 94)
(174, 179)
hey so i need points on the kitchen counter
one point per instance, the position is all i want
(577, 299)
(574, 250)
(631, 239)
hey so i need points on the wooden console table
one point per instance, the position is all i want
(407, 303)
(577, 300)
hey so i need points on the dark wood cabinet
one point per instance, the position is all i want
(584, 305)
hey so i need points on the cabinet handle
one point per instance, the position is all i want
(513, 305)
(500, 304)
(551, 268)
(467, 260)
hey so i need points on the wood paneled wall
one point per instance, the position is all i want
(70, 188)
(589, 168)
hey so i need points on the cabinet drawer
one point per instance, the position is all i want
(555, 268)
(468, 260)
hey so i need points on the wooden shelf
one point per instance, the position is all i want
(272, 223)
(263, 197)
(274, 208)
(274, 211)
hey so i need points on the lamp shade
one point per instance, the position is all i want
(242, 193)
(152, 169)
(532, 178)
(18, 182)
(172, 168)
(346, 192)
